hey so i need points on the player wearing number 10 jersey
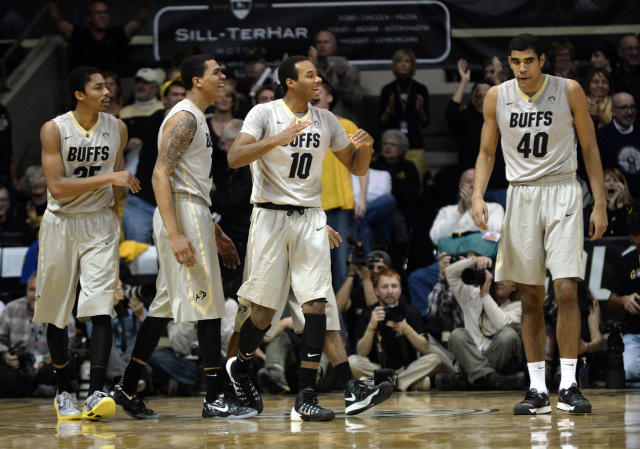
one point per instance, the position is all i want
(537, 118)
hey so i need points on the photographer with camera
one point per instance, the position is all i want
(625, 295)
(25, 365)
(390, 337)
(489, 342)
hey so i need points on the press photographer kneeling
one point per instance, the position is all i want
(391, 337)
(490, 342)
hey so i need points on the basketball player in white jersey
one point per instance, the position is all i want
(285, 142)
(537, 118)
(189, 287)
(79, 235)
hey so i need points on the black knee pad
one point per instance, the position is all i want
(313, 335)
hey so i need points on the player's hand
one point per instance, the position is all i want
(183, 250)
(630, 304)
(480, 213)
(361, 138)
(463, 70)
(290, 132)
(597, 222)
(228, 251)
(334, 237)
(125, 179)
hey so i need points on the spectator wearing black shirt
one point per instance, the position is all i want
(390, 335)
(137, 219)
(404, 102)
(625, 295)
(98, 44)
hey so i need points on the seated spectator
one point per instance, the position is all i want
(13, 231)
(620, 204)
(562, 57)
(444, 313)
(116, 100)
(98, 44)
(625, 296)
(344, 77)
(375, 227)
(598, 88)
(591, 340)
(404, 103)
(357, 292)
(489, 343)
(32, 207)
(465, 123)
(452, 219)
(390, 335)
(626, 74)
(619, 141)
(25, 365)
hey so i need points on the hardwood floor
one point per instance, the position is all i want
(413, 420)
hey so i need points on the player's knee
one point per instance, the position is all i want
(314, 306)
(261, 316)
(565, 291)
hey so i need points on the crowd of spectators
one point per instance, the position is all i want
(460, 334)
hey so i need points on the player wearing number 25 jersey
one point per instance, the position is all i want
(538, 118)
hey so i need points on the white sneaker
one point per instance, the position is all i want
(66, 405)
(99, 405)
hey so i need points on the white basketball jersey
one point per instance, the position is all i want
(291, 174)
(192, 173)
(537, 133)
(86, 153)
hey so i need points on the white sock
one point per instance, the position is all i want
(568, 373)
(536, 373)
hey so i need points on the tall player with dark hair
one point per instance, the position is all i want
(285, 142)
(537, 118)
(189, 287)
(79, 235)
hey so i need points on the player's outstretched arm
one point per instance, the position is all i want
(176, 138)
(63, 187)
(357, 156)
(486, 159)
(246, 149)
(591, 154)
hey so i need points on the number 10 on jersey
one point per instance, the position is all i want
(300, 165)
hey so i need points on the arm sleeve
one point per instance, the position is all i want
(461, 291)
(500, 317)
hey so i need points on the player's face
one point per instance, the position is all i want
(527, 68)
(388, 289)
(96, 94)
(309, 83)
(212, 80)
(599, 86)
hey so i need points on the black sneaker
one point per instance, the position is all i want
(132, 405)
(361, 397)
(271, 378)
(534, 403)
(306, 407)
(571, 400)
(246, 392)
(226, 406)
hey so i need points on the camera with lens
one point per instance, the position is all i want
(473, 276)
(358, 254)
(26, 361)
(457, 257)
(122, 308)
(393, 313)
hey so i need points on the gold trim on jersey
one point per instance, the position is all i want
(537, 95)
(197, 109)
(292, 115)
(88, 133)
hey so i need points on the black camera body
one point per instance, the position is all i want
(615, 376)
(358, 254)
(457, 257)
(26, 361)
(473, 276)
(393, 313)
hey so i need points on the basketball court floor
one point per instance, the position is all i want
(411, 420)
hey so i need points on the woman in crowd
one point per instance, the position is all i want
(598, 88)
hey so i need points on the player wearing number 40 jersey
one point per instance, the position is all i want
(285, 142)
(537, 118)
(79, 235)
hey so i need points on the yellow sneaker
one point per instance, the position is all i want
(98, 406)
(66, 405)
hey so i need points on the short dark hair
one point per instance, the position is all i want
(526, 41)
(193, 66)
(327, 85)
(287, 69)
(633, 223)
(78, 78)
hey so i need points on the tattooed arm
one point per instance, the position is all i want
(176, 138)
